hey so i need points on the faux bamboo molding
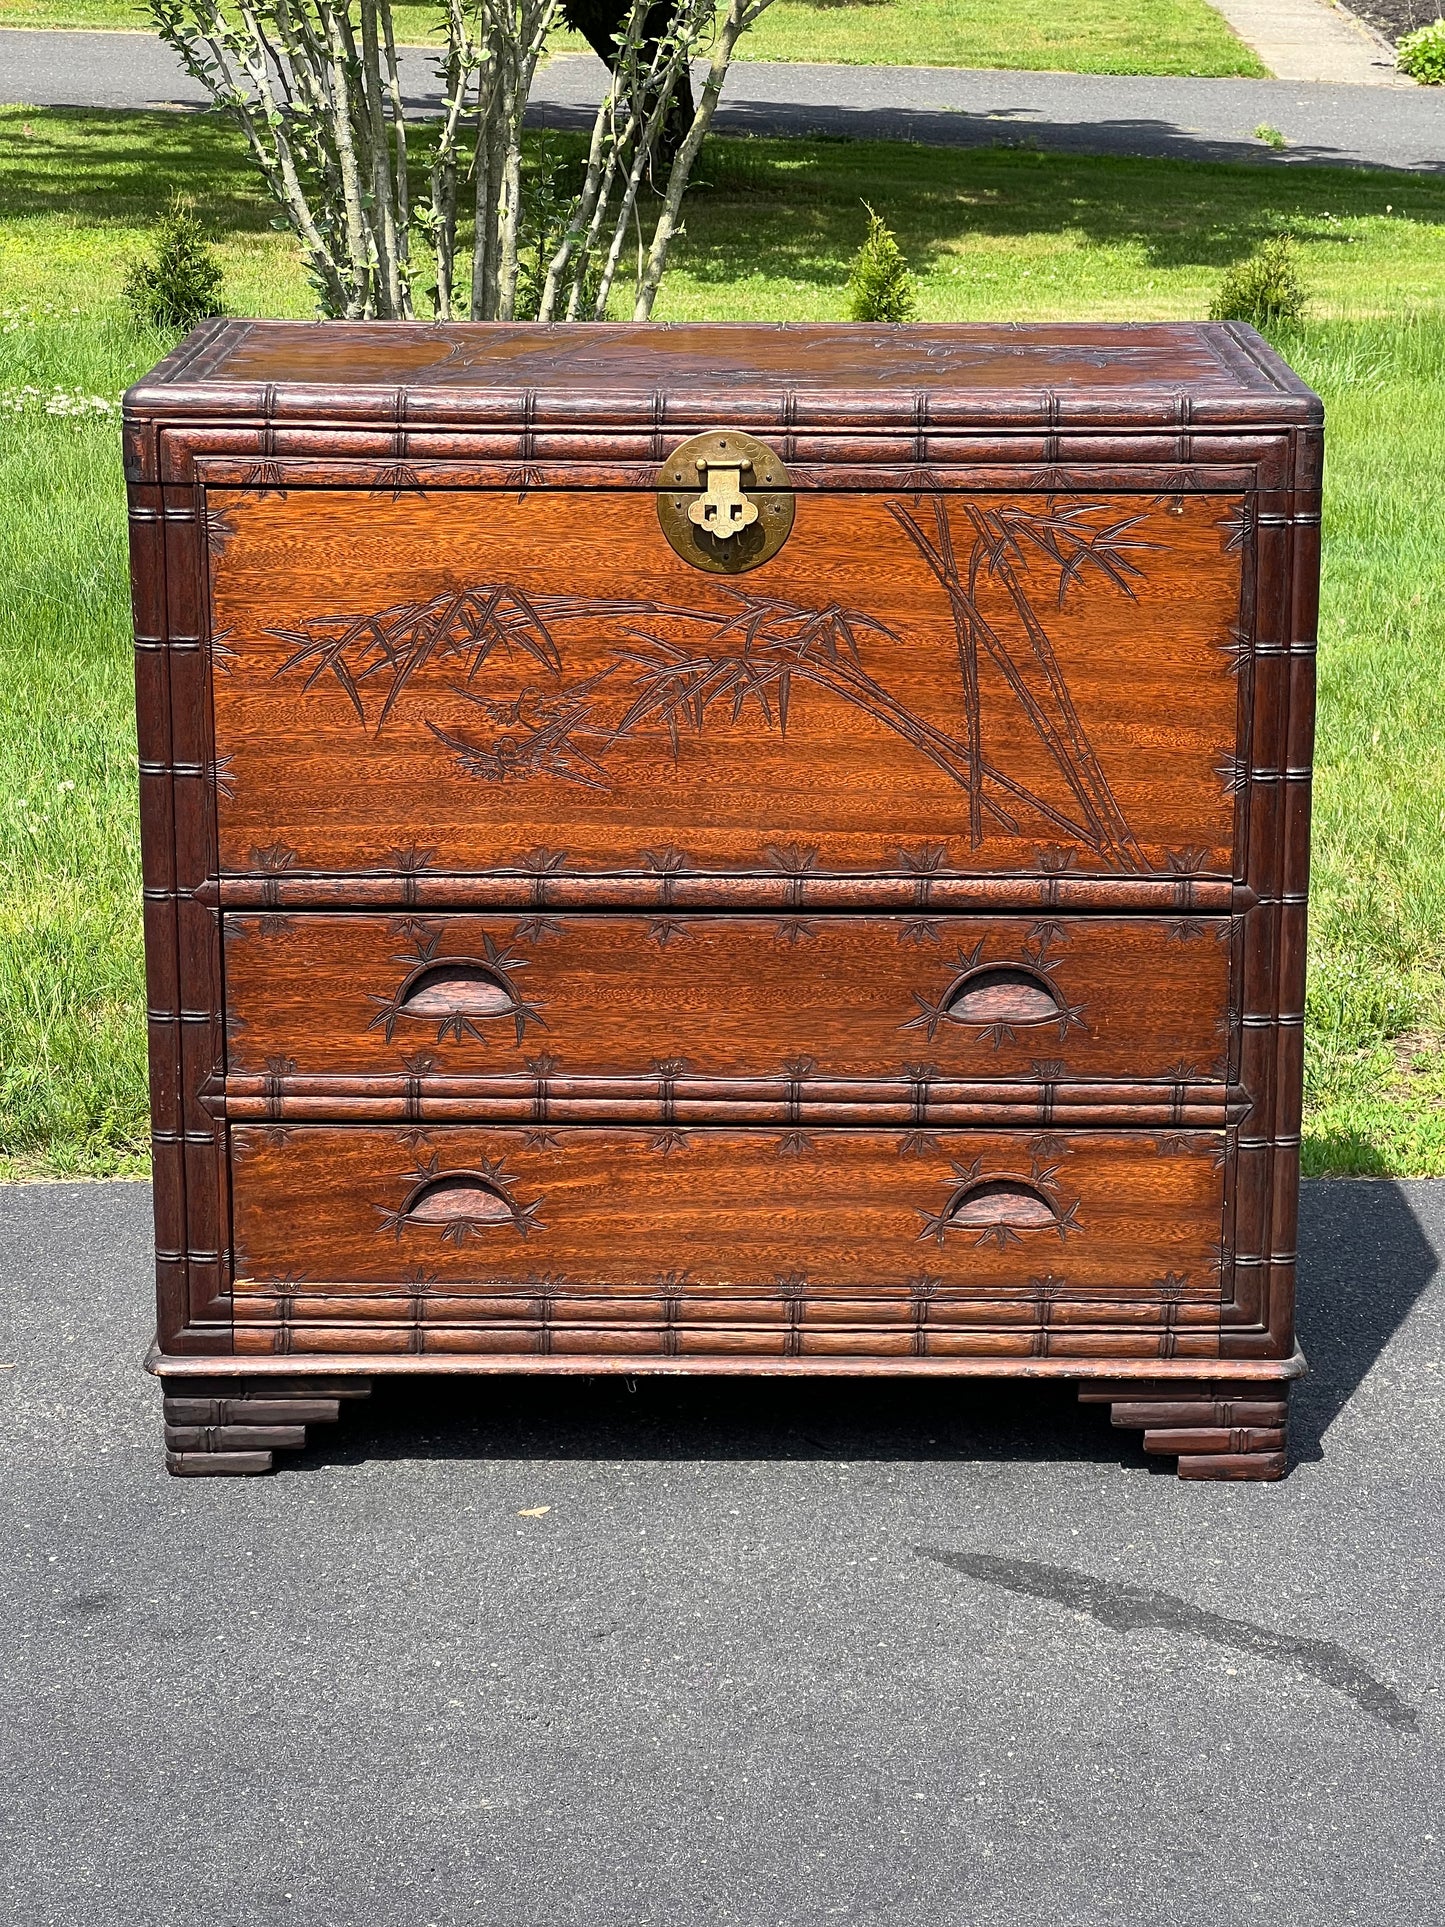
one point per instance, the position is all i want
(180, 1371)
(523, 889)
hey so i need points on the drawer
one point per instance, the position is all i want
(595, 1240)
(485, 682)
(776, 1019)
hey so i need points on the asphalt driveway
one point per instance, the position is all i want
(1188, 119)
(773, 1654)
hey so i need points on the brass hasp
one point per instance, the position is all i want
(722, 510)
(725, 501)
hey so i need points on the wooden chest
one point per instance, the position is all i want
(725, 849)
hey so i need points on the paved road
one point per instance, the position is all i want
(774, 1656)
(940, 106)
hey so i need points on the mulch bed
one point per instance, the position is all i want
(1394, 18)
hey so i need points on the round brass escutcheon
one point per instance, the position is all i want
(725, 502)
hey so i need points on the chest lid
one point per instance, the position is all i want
(664, 380)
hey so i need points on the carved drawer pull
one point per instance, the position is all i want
(461, 1197)
(998, 999)
(1000, 1210)
(459, 1204)
(456, 989)
(1003, 1201)
(457, 994)
(1003, 994)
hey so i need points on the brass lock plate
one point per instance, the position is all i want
(725, 502)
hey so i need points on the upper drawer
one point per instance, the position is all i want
(476, 682)
(774, 1018)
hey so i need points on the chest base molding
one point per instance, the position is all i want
(1222, 1419)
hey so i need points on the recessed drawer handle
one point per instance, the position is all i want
(460, 1204)
(458, 995)
(997, 999)
(460, 1195)
(1000, 1210)
(455, 990)
(1003, 994)
(1003, 1201)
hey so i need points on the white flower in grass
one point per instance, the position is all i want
(77, 405)
(66, 785)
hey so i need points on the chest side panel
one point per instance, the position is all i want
(468, 679)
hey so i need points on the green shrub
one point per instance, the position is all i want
(1264, 289)
(549, 206)
(1421, 54)
(880, 288)
(181, 283)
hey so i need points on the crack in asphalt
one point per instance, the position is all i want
(1132, 1609)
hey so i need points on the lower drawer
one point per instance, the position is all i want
(606, 1240)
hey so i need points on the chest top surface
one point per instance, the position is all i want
(1150, 372)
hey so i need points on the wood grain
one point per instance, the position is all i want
(804, 1003)
(814, 732)
(728, 1213)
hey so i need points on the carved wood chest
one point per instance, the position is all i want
(725, 849)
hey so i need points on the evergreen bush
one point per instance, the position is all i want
(880, 288)
(181, 283)
(1265, 289)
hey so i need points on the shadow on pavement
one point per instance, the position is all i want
(956, 127)
(1364, 1261)
(665, 1419)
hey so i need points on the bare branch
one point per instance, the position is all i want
(740, 15)
(315, 88)
(402, 202)
(389, 293)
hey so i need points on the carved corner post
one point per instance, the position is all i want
(1278, 691)
(1216, 1430)
(231, 1427)
(163, 998)
(177, 773)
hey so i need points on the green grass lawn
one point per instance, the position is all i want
(770, 232)
(1087, 37)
